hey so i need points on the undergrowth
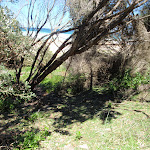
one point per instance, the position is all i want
(122, 83)
(13, 94)
(86, 120)
(71, 84)
(30, 139)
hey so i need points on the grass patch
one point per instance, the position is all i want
(25, 73)
(30, 139)
(53, 81)
(128, 131)
(86, 121)
(89, 120)
(4, 70)
(59, 82)
(51, 84)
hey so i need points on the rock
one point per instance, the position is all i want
(68, 147)
(84, 146)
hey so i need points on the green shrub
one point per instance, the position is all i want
(75, 83)
(13, 45)
(33, 117)
(127, 81)
(31, 139)
(78, 135)
(11, 93)
(52, 84)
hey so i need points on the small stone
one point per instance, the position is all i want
(84, 146)
(68, 147)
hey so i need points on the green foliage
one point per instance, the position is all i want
(34, 116)
(31, 139)
(56, 82)
(75, 83)
(127, 81)
(12, 42)
(109, 104)
(8, 23)
(78, 135)
(12, 94)
(52, 84)
(25, 73)
(79, 9)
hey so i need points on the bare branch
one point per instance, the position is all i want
(102, 19)
(45, 20)
(114, 8)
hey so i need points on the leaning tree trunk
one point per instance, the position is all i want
(91, 31)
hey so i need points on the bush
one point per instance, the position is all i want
(12, 94)
(52, 84)
(75, 83)
(13, 45)
(30, 139)
(125, 82)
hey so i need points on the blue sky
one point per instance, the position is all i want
(20, 10)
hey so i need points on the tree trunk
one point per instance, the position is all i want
(85, 37)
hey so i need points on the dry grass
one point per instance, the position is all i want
(76, 123)
(129, 130)
(89, 120)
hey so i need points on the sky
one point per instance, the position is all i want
(20, 10)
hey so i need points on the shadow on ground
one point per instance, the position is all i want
(27, 139)
(79, 108)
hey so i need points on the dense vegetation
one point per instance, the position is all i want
(94, 100)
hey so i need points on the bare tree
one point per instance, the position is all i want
(94, 25)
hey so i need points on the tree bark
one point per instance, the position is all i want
(85, 37)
